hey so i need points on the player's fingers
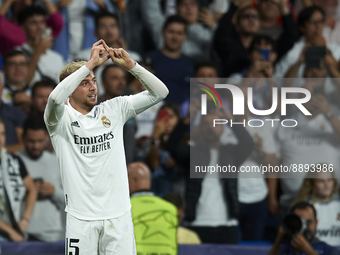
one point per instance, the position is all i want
(105, 58)
(105, 46)
(98, 42)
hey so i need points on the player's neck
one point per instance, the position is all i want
(80, 108)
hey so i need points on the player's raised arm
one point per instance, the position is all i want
(56, 101)
(156, 90)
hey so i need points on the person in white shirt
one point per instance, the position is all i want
(48, 216)
(315, 139)
(321, 190)
(311, 22)
(88, 140)
(44, 63)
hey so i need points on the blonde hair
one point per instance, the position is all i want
(308, 189)
(71, 68)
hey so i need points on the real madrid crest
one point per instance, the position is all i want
(106, 122)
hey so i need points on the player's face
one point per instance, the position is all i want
(16, 69)
(2, 136)
(35, 142)
(85, 96)
(114, 81)
(108, 30)
(34, 26)
(40, 98)
(174, 36)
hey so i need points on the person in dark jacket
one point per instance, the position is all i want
(231, 42)
(212, 202)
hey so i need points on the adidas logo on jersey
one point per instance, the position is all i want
(75, 124)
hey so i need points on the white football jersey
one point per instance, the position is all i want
(91, 157)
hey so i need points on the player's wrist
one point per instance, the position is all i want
(91, 64)
(130, 64)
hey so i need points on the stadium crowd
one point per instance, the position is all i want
(253, 43)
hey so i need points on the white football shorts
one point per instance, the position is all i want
(102, 237)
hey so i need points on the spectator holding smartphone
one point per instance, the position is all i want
(165, 171)
(262, 56)
(12, 34)
(310, 22)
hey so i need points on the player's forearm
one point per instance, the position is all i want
(55, 104)
(156, 89)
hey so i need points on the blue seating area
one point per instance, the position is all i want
(39, 248)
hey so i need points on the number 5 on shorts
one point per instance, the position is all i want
(69, 245)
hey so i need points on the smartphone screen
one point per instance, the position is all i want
(264, 54)
(314, 55)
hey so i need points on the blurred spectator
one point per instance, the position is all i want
(133, 30)
(204, 69)
(16, 73)
(22, 101)
(269, 11)
(170, 64)
(212, 202)
(107, 28)
(331, 27)
(331, 30)
(310, 22)
(16, 186)
(46, 220)
(44, 62)
(231, 43)
(302, 243)
(165, 172)
(12, 34)
(77, 33)
(219, 7)
(13, 118)
(321, 190)
(262, 56)
(247, 26)
(184, 235)
(152, 214)
(40, 93)
(252, 187)
(316, 140)
(114, 84)
(201, 24)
